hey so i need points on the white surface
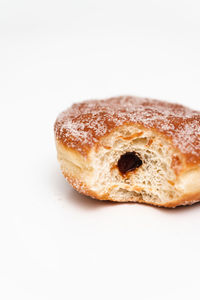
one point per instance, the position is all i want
(55, 243)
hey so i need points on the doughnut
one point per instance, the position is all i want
(131, 149)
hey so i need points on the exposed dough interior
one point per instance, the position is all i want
(154, 181)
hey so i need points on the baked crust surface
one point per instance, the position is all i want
(83, 124)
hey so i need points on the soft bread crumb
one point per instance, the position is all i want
(154, 182)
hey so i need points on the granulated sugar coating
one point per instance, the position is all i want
(82, 125)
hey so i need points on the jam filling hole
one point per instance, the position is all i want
(129, 162)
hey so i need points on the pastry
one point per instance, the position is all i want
(131, 149)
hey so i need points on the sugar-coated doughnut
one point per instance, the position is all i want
(131, 149)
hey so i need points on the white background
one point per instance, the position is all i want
(55, 243)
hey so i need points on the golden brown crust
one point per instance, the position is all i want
(81, 126)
